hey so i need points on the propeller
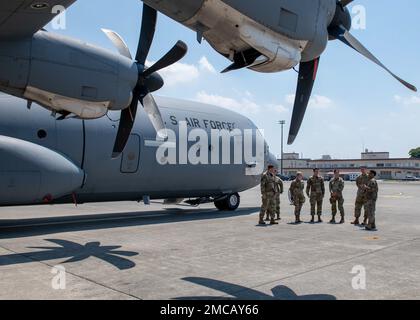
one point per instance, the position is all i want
(148, 80)
(306, 80)
(338, 29)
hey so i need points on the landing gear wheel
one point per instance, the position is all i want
(230, 203)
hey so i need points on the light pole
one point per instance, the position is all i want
(282, 123)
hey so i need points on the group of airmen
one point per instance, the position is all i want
(272, 187)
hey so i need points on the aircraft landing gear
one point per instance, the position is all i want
(228, 203)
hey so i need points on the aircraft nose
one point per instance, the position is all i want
(180, 10)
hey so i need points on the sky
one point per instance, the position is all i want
(355, 104)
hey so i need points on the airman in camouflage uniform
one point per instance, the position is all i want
(279, 191)
(361, 182)
(336, 190)
(315, 190)
(297, 195)
(268, 189)
(371, 189)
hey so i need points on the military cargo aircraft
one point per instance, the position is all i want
(74, 156)
(46, 161)
(271, 36)
(264, 35)
(75, 79)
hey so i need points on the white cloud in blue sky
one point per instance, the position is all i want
(355, 104)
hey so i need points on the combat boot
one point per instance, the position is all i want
(319, 219)
(278, 217)
(356, 222)
(332, 220)
(262, 223)
(342, 220)
(273, 222)
(312, 220)
(364, 223)
(369, 228)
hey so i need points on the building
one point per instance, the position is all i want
(386, 167)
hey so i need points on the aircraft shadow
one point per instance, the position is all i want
(238, 292)
(43, 226)
(73, 252)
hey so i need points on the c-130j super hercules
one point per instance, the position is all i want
(264, 36)
(271, 36)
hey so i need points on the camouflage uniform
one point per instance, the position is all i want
(336, 190)
(315, 189)
(370, 206)
(268, 189)
(296, 190)
(361, 181)
(279, 191)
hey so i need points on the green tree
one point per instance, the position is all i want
(415, 153)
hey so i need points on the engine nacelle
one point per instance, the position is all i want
(31, 174)
(280, 52)
(63, 74)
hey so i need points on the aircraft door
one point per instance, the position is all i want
(130, 160)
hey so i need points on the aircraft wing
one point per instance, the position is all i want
(21, 18)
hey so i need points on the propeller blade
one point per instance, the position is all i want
(128, 115)
(177, 52)
(148, 28)
(306, 80)
(347, 38)
(118, 42)
(152, 110)
(346, 2)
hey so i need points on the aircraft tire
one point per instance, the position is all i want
(230, 203)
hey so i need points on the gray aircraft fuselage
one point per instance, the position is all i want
(44, 160)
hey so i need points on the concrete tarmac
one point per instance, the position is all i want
(132, 251)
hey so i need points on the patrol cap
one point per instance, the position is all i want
(373, 172)
(270, 166)
(363, 167)
(316, 169)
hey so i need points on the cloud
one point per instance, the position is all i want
(243, 105)
(181, 73)
(279, 108)
(316, 102)
(205, 65)
(407, 101)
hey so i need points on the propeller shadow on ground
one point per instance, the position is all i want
(21, 228)
(238, 292)
(73, 252)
